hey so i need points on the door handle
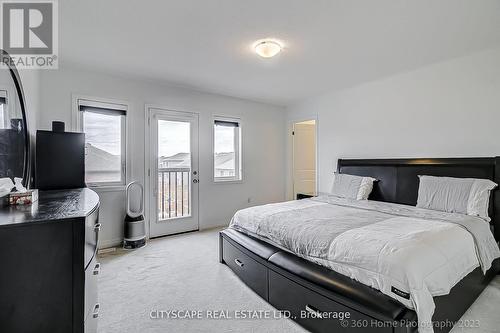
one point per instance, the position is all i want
(195, 181)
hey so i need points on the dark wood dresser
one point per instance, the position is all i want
(48, 280)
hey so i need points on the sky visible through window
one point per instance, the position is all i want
(103, 131)
(174, 138)
(224, 139)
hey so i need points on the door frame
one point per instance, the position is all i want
(147, 161)
(291, 122)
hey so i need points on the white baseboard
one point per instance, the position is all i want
(118, 242)
(214, 226)
(106, 243)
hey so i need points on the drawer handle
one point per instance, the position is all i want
(239, 262)
(95, 314)
(313, 311)
(97, 269)
(97, 227)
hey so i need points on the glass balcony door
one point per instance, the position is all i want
(173, 172)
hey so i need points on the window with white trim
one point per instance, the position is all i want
(227, 149)
(104, 125)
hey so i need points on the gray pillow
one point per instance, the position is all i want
(468, 196)
(352, 187)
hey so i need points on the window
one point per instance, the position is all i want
(227, 149)
(4, 118)
(104, 125)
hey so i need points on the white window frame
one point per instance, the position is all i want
(110, 104)
(238, 178)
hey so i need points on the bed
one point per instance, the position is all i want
(293, 273)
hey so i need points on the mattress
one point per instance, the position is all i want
(408, 253)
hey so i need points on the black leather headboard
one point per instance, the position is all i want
(398, 178)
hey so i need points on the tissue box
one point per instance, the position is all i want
(23, 198)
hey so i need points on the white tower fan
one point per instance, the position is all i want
(135, 228)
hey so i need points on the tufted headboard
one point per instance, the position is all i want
(398, 178)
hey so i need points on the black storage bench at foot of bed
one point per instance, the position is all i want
(322, 300)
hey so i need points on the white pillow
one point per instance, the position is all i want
(468, 196)
(352, 187)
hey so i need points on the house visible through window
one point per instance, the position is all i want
(104, 126)
(227, 150)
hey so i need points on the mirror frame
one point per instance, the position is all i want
(7, 60)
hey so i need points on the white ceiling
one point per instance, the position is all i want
(330, 44)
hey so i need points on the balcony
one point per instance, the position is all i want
(174, 193)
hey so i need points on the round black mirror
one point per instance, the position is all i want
(14, 135)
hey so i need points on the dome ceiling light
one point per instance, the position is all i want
(267, 48)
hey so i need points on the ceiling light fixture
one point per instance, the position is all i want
(267, 48)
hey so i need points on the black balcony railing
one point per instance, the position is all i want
(173, 192)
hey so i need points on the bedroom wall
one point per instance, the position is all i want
(449, 109)
(263, 127)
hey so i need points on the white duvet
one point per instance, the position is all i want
(408, 253)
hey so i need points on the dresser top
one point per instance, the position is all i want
(52, 205)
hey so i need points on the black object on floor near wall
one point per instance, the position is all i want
(60, 160)
(301, 196)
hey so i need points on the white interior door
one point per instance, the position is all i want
(173, 172)
(304, 157)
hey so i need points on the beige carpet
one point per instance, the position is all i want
(182, 272)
